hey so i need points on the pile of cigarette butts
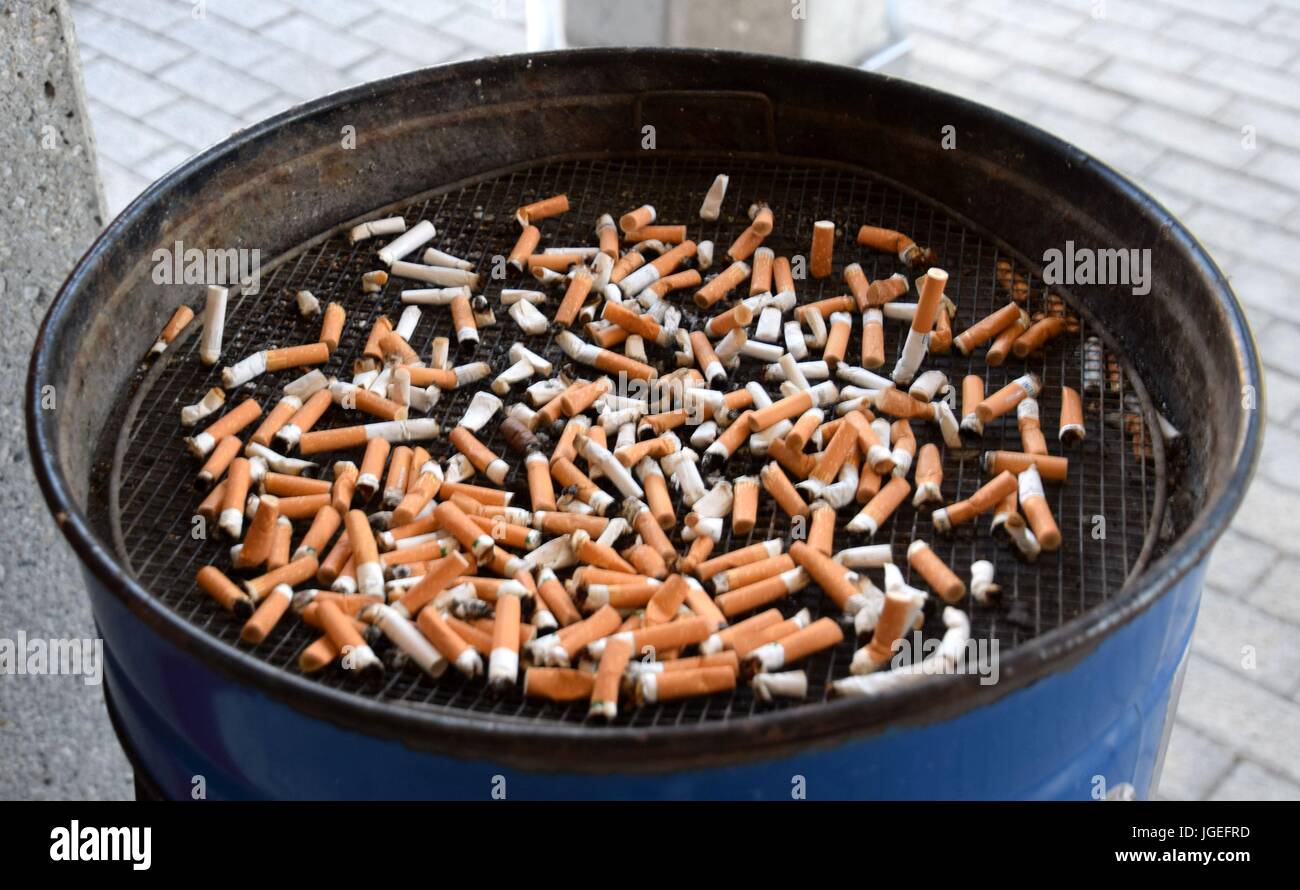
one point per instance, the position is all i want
(580, 593)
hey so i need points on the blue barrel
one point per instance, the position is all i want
(1080, 711)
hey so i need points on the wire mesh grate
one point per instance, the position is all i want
(154, 499)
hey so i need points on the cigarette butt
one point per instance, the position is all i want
(524, 247)
(761, 593)
(744, 508)
(778, 485)
(878, 510)
(1008, 397)
(821, 533)
(1039, 334)
(296, 572)
(218, 461)
(637, 219)
(177, 323)
(873, 339)
(760, 277)
(942, 580)
(558, 684)
(331, 328)
(1050, 467)
(604, 692)
(823, 246)
(987, 328)
(227, 594)
(268, 614)
(984, 499)
(1000, 348)
(745, 245)
(229, 424)
(547, 207)
(822, 634)
(1072, 429)
(470, 536)
(673, 685)
(744, 555)
(1037, 510)
(723, 284)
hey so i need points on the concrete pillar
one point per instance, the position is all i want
(54, 731)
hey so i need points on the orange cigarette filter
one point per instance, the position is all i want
(827, 307)
(671, 234)
(632, 322)
(547, 207)
(335, 560)
(752, 572)
(821, 534)
(744, 507)
(450, 644)
(180, 318)
(345, 484)
(462, 319)
(760, 277)
(607, 234)
(303, 506)
(824, 633)
(1038, 511)
(898, 244)
(604, 690)
(738, 316)
(280, 544)
(823, 246)
(745, 244)
(942, 580)
(646, 559)
(378, 329)
(558, 684)
(987, 328)
(1072, 428)
(471, 537)
(256, 548)
(637, 219)
(752, 596)
(219, 460)
(873, 340)
(1050, 467)
(1040, 333)
(856, 281)
(1000, 348)
(941, 336)
(804, 428)
(984, 499)
(268, 614)
(323, 526)
(669, 260)
(684, 280)
(524, 247)
(897, 403)
(733, 558)
(699, 551)
(331, 327)
(878, 510)
(279, 416)
(1032, 440)
(726, 281)
(782, 275)
(674, 685)
(665, 602)
(727, 637)
(1008, 397)
(541, 492)
(832, 577)
(492, 497)
(778, 485)
(225, 592)
(437, 578)
(211, 505)
(629, 263)
(297, 356)
(837, 341)
(296, 572)
(574, 296)
(229, 424)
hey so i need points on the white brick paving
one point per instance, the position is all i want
(1159, 89)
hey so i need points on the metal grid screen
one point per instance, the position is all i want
(154, 498)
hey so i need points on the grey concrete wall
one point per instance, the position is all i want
(54, 732)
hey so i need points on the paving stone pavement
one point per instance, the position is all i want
(1196, 101)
